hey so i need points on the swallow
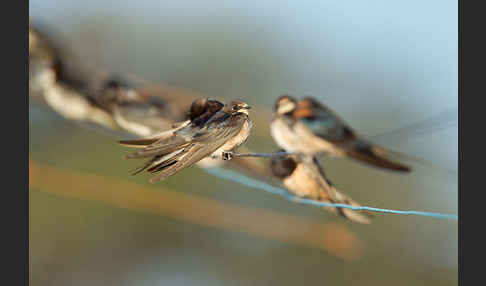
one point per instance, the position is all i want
(109, 100)
(42, 60)
(309, 127)
(200, 111)
(135, 110)
(303, 176)
(62, 89)
(47, 64)
(215, 136)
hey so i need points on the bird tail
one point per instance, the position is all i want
(160, 147)
(161, 137)
(160, 162)
(353, 215)
(165, 152)
(137, 143)
(375, 156)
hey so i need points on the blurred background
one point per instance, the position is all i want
(381, 65)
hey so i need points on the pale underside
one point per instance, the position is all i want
(299, 139)
(306, 181)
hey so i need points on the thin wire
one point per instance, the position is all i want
(263, 155)
(255, 184)
(438, 122)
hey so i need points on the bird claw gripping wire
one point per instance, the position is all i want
(227, 155)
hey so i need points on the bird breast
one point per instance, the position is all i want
(239, 139)
(299, 139)
(302, 183)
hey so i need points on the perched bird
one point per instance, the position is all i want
(48, 64)
(51, 81)
(303, 176)
(94, 96)
(133, 109)
(309, 127)
(45, 64)
(216, 136)
(42, 58)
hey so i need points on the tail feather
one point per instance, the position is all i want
(354, 215)
(143, 167)
(149, 153)
(159, 149)
(160, 162)
(374, 156)
(167, 161)
(160, 168)
(148, 143)
(186, 158)
(138, 143)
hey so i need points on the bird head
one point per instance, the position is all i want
(237, 106)
(285, 104)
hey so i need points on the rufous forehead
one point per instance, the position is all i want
(303, 112)
(305, 104)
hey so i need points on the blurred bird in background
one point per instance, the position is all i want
(307, 126)
(131, 105)
(303, 176)
(107, 100)
(50, 81)
(136, 110)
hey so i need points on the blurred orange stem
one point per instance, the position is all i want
(334, 238)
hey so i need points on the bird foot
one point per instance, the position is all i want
(227, 155)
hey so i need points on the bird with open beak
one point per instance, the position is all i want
(215, 132)
(303, 176)
(309, 127)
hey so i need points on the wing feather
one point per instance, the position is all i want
(323, 122)
(182, 150)
(196, 152)
(331, 195)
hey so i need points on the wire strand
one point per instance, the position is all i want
(263, 155)
(256, 184)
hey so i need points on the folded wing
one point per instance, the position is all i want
(181, 150)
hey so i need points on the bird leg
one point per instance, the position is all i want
(227, 155)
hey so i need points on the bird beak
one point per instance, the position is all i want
(247, 107)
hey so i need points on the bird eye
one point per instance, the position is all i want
(235, 107)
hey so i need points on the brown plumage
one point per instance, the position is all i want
(309, 127)
(135, 110)
(199, 113)
(177, 149)
(202, 109)
(303, 176)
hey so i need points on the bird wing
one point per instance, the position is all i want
(331, 195)
(202, 146)
(184, 148)
(161, 147)
(155, 138)
(323, 122)
(138, 143)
